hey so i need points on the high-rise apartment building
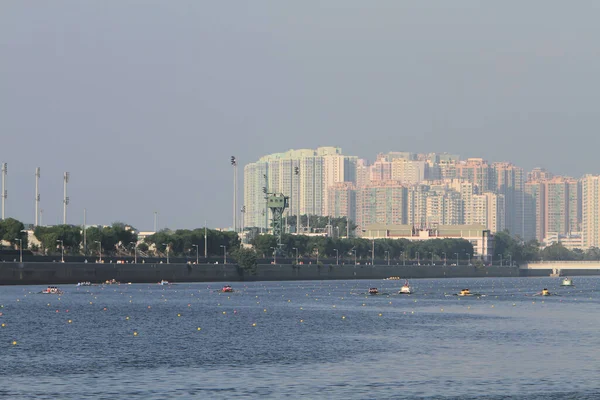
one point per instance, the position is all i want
(408, 172)
(508, 180)
(534, 216)
(342, 200)
(590, 210)
(476, 171)
(381, 203)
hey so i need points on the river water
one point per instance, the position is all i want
(313, 340)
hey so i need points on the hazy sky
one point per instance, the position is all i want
(143, 102)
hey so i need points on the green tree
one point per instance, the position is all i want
(246, 259)
(10, 230)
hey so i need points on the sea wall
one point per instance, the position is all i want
(571, 268)
(27, 273)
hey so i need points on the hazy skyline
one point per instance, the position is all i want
(143, 102)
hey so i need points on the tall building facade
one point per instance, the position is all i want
(590, 210)
(381, 203)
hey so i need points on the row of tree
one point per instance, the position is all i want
(509, 247)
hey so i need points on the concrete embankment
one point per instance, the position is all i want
(29, 273)
(572, 268)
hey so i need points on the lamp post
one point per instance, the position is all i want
(134, 252)
(432, 258)
(387, 256)
(167, 247)
(274, 255)
(336, 256)
(403, 258)
(295, 248)
(373, 253)
(224, 253)
(316, 248)
(469, 258)
(510, 260)
(418, 262)
(99, 249)
(500, 255)
(354, 251)
(62, 250)
(445, 258)
(20, 249)
(456, 254)
(197, 252)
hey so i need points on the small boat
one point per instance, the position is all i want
(465, 292)
(393, 278)
(112, 282)
(405, 289)
(163, 282)
(545, 292)
(227, 289)
(52, 290)
(373, 290)
(566, 282)
(84, 283)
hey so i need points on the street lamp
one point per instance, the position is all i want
(197, 252)
(469, 257)
(134, 252)
(510, 260)
(62, 250)
(354, 251)
(316, 248)
(20, 249)
(432, 258)
(403, 258)
(224, 253)
(387, 255)
(274, 255)
(295, 248)
(456, 254)
(167, 247)
(445, 258)
(418, 262)
(99, 249)
(500, 255)
(336, 256)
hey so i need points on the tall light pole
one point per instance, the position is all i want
(134, 252)
(445, 258)
(234, 165)
(418, 261)
(4, 193)
(274, 255)
(84, 232)
(387, 256)
(62, 250)
(456, 254)
(297, 200)
(373, 253)
(224, 253)
(167, 247)
(242, 219)
(500, 255)
(155, 221)
(337, 258)
(205, 241)
(295, 248)
(37, 195)
(66, 177)
(469, 258)
(99, 249)
(197, 252)
(432, 258)
(20, 249)
(510, 260)
(354, 251)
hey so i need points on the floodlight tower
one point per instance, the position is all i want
(297, 201)
(4, 191)
(65, 197)
(37, 196)
(235, 210)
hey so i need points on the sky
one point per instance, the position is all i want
(144, 101)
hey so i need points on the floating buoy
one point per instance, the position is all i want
(254, 324)
(135, 333)
(179, 315)
(199, 328)
(380, 314)
(301, 320)
(14, 342)
(3, 325)
(343, 317)
(69, 321)
(265, 310)
(224, 312)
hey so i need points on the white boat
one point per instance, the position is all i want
(163, 282)
(405, 289)
(52, 290)
(566, 282)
